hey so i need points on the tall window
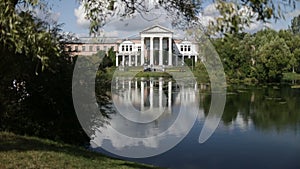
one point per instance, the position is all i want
(185, 48)
(181, 47)
(189, 48)
(123, 48)
(83, 48)
(105, 48)
(139, 48)
(98, 48)
(76, 48)
(126, 47)
(91, 48)
(130, 48)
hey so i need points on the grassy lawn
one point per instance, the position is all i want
(291, 76)
(30, 152)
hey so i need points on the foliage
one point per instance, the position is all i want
(234, 15)
(295, 25)
(263, 56)
(35, 78)
(273, 59)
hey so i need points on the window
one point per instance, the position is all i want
(189, 48)
(181, 47)
(91, 48)
(139, 48)
(185, 48)
(105, 48)
(98, 48)
(113, 48)
(130, 48)
(126, 47)
(122, 47)
(83, 48)
(76, 48)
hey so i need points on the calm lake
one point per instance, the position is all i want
(259, 128)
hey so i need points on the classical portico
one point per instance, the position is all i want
(156, 46)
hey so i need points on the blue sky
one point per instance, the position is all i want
(70, 13)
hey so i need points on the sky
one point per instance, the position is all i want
(71, 13)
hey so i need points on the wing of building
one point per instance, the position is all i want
(155, 46)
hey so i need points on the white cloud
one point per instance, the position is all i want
(210, 13)
(293, 13)
(55, 16)
(81, 21)
(211, 10)
(128, 27)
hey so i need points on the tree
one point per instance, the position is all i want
(292, 42)
(295, 25)
(35, 78)
(235, 15)
(112, 55)
(235, 53)
(273, 59)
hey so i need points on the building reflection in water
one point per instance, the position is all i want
(148, 107)
(153, 95)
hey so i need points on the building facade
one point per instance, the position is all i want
(155, 46)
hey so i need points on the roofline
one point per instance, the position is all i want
(158, 26)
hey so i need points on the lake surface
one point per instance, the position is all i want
(259, 128)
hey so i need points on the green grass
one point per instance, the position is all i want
(21, 152)
(291, 76)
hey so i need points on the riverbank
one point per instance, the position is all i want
(31, 152)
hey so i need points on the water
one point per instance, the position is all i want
(260, 126)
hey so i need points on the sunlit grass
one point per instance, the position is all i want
(291, 76)
(30, 152)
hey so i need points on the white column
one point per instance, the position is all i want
(169, 94)
(129, 64)
(196, 59)
(135, 59)
(142, 96)
(161, 51)
(136, 92)
(129, 90)
(142, 51)
(117, 60)
(170, 51)
(117, 83)
(182, 59)
(151, 95)
(160, 93)
(151, 50)
(136, 85)
(123, 60)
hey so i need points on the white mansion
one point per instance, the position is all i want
(155, 46)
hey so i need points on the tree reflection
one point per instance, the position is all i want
(268, 108)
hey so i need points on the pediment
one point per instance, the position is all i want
(156, 29)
